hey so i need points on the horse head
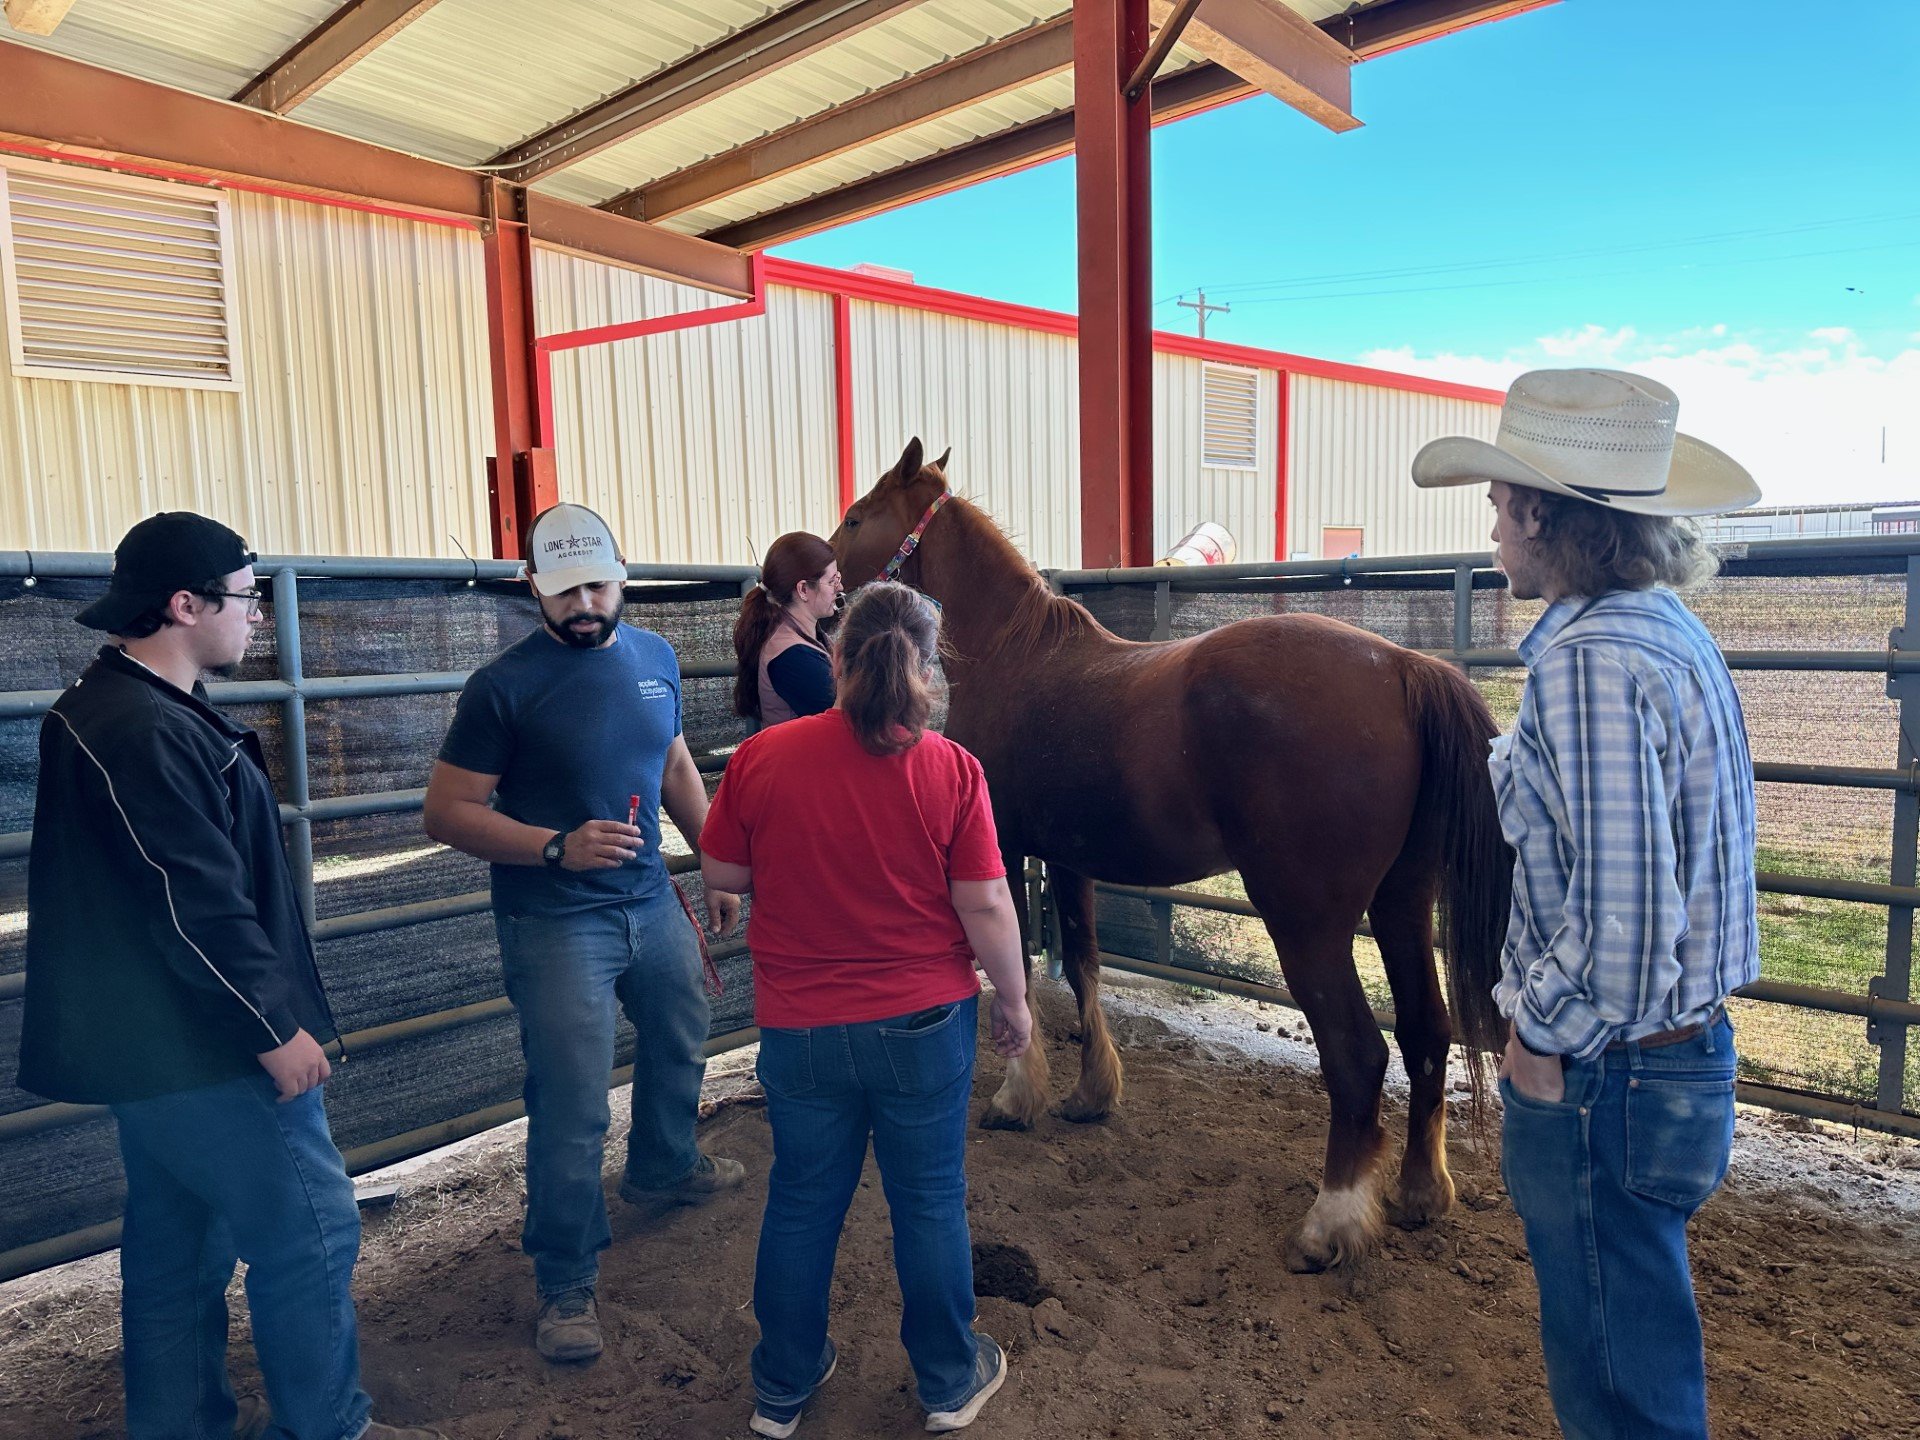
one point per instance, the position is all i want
(876, 527)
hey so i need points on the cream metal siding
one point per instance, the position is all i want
(1006, 400)
(1186, 490)
(1351, 448)
(361, 426)
(701, 445)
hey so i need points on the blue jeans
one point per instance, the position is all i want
(220, 1174)
(565, 974)
(906, 1082)
(1605, 1181)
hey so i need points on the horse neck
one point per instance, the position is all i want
(977, 577)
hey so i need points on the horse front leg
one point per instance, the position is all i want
(1100, 1079)
(1022, 1097)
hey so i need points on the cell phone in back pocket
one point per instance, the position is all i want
(928, 1018)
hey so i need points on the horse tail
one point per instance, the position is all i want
(1456, 805)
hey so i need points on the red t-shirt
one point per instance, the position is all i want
(852, 855)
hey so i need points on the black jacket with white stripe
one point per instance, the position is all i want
(166, 948)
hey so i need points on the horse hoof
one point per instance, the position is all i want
(994, 1118)
(1413, 1207)
(1083, 1112)
(1305, 1259)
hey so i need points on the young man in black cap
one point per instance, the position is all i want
(183, 994)
(574, 735)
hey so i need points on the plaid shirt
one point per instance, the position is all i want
(1626, 791)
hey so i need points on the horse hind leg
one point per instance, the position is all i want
(1347, 1216)
(1402, 914)
(1022, 1097)
(1098, 1091)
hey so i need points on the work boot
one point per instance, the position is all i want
(708, 1178)
(376, 1431)
(568, 1327)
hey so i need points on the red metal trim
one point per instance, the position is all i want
(823, 280)
(843, 395)
(1282, 461)
(1471, 22)
(546, 346)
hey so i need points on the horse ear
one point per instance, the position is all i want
(910, 461)
(941, 463)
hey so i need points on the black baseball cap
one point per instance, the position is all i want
(173, 551)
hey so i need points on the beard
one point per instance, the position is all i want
(590, 635)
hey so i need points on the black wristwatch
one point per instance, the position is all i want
(555, 850)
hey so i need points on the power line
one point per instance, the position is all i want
(1461, 267)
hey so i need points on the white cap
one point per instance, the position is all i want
(569, 545)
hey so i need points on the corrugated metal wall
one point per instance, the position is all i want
(1186, 492)
(360, 428)
(701, 445)
(363, 423)
(1351, 447)
(1006, 400)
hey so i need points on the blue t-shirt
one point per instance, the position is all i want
(572, 734)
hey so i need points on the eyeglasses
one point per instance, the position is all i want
(253, 595)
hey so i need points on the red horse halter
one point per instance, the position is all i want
(912, 542)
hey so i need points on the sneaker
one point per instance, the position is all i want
(780, 1421)
(708, 1178)
(989, 1374)
(252, 1417)
(377, 1431)
(568, 1327)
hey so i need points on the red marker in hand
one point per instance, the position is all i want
(633, 810)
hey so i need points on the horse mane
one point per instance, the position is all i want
(1040, 619)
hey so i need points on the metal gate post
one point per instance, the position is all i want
(1161, 911)
(293, 735)
(1462, 612)
(1897, 983)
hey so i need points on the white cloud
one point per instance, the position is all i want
(1809, 418)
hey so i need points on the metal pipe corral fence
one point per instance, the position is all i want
(1888, 1009)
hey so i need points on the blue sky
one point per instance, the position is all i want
(1723, 193)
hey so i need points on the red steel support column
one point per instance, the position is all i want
(1116, 325)
(520, 478)
(1282, 458)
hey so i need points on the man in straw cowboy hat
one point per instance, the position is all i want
(1626, 791)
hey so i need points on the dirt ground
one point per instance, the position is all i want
(1133, 1269)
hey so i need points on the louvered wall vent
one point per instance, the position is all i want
(116, 279)
(1230, 417)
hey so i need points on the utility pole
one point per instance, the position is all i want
(1200, 307)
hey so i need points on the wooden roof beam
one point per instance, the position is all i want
(1274, 48)
(755, 50)
(980, 74)
(345, 37)
(1200, 87)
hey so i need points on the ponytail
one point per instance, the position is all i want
(888, 642)
(758, 616)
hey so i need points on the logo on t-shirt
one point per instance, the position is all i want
(651, 689)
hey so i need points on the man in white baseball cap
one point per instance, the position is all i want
(1626, 791)
(577, 744)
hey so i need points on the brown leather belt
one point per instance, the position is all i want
(1672, 1037)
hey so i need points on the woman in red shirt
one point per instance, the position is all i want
(877, 881)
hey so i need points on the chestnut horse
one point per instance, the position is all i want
(1340, 774)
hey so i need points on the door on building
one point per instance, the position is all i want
(1337, 542)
